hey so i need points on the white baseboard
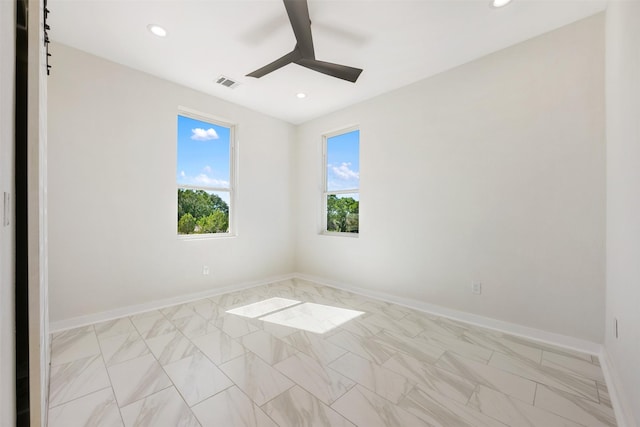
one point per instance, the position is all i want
(539, 335)
(130, 310)
(474, 319)
(621, 406)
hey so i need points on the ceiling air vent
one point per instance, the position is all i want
(226, 81)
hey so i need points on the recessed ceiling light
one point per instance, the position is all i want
(157, 30)
(500, 3)
(301, 95)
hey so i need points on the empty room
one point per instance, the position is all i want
(182, 242)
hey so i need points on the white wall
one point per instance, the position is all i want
(492, 171)
(7, 233)
(112, 191)
(623, 200)
(38, 277)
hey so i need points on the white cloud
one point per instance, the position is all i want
(204, 179)
(182, 174)
(344, 172)
(207, 169)
(199, 134)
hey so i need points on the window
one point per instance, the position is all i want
(341, 197)
(204, 175)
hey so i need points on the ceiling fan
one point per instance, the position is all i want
(303, 53)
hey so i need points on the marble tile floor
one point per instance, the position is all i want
(374, 364)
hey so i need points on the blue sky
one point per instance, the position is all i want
(203, 153)
(343, 161)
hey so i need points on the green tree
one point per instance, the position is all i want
(201, 212)
(217, 204)
(217, 222)
(186, 224)
(199, 203)
(342, 214)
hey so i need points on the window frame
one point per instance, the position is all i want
(325, 177)
(233, 166)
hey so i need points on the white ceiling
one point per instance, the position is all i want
(396, 42)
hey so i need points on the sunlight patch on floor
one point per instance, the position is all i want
(261, 308)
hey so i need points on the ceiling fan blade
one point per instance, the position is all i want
(298, 12)
(290, 57)
(343, 72)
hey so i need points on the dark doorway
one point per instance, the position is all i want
(21, 267)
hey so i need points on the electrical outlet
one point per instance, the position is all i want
(205, 270)
(476, 287)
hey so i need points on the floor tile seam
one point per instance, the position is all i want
(80, 397)
(587, 400)
(174, 332)
(342, 347)
(233, 358)
(111, 382)
(402, 395)
(495, 418)
(145, 397)
(178, 389)
(395, 350)
(491, 358)
(395, 405)
(537, 381)
(113, 391)
(561, 415)
(423, 385)
(487, 385)
(406, 353)
(137, 328)
(87, 356)
(475, 390)
(52, 363)
(104, 364)
(478, 359)
(206, 398)
(102, 350)
(260, 408)
(128, 360)
(168, 377)
(266, 361)
(293, 384)
(599, 397)
(309, 391)
(234, 383)
(211, 360)
(546, 374)
(462, 339)
(467, 404)
(173, 322)
(574, 395)
(569, 371)
(118, 335)
(167, 317)
(468, 407)
(533, 406)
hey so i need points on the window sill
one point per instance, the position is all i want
(210, 236)
(340, 234)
